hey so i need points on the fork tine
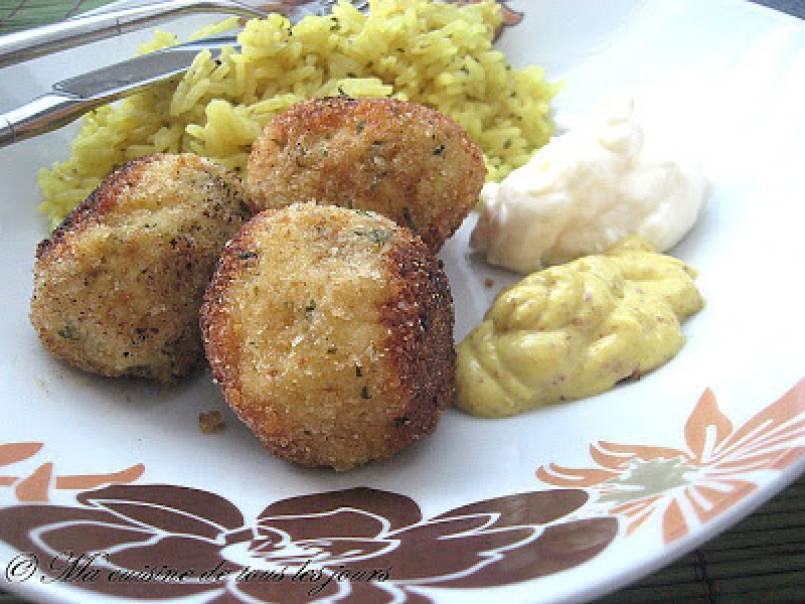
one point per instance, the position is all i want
(325, 7)
(361, 5)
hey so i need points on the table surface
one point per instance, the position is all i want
(761, 559)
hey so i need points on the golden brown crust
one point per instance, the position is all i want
(343, 357)
(422, 306)
(403, 160)
(99, 203)
(118, 285)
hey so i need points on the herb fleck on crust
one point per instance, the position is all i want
(330, 334)
(403, 160)
(118, 285)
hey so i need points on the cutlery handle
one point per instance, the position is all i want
(31, 43)
(43, 114)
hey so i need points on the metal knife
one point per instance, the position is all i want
(71, 98)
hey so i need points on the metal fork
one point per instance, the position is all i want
(28, 44)
(38, 41)
(73, 97)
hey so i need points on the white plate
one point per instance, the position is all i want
(479, 511)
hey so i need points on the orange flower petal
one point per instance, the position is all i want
(613, 462)
(674, 524)
(36, 486)
(786, 434)
(645, 453)
(720, 500)
(14, 452)
(788, 407)
(576, 477)
(6, 481)
(788, 458)
(704, 415)
(761, 461)
(638, 521)
(632, 507)
(769, 443)
(89, 481)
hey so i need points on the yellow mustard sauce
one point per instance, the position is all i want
(576, 329)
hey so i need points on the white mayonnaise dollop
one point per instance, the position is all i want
(587, 189)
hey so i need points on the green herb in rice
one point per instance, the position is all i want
(436, 53)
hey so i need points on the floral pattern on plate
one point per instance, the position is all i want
(364, 544)
(694, 485)
(353, 545)
(36, 486)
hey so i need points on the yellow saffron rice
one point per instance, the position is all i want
(435, 53)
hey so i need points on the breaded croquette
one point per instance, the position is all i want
(330, 332)
(403, 160)
(118, 286)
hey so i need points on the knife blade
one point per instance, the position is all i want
(72, 97)
(123, 77)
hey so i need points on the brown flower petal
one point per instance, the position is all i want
(173, 551)
(323, 551)
(312, 587)
(558, 548)
(225, 596)
(341, 523)
(380, 592)
(428, 553)
(341, 534)
(448, 526)
(66, 529)
(98, 538)
(525, 508)
(399, 510)
(169, 508)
